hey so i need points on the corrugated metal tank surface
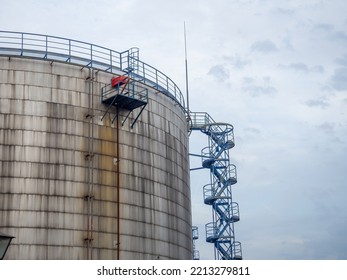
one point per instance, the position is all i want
(73, 186)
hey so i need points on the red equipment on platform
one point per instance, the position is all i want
(118, 81)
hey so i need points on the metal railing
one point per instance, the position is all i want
(195, 236)
(237, 250)
(199, 120)
(60, 49)
(133, 90)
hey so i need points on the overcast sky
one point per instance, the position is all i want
(276, 70)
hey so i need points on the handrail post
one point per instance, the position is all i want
(156, 78)
(69, 50)
(121, 61)
(133, 89)
(91, 55)
(167, 85)
(143, 72)
(111, 60)
(22, 44)
(46, 47)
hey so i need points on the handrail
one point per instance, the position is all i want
(198, 120)
(66, 50)
(195, 232)
(133, 90)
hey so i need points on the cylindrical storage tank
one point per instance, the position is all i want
(74, 184)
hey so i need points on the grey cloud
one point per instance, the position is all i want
(282, 11)
(265, 46)
(339, 36)
(299, 66)
(321, 103)
(342, 60)
(330, 33)
(335, 131)
(248, 80)
(252, 130)
(323, 27)
(317, 69)
(302, 67)
(220, 72)
(288, 44)
(327, 127)
(339, 79)
(258, 87)
(335, 249)
(236, 61)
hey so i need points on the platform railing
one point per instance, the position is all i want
(198, 120)
(60, 49)
(195, 232)
(237, 250)
(133, 90)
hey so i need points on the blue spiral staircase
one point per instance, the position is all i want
(218, 193)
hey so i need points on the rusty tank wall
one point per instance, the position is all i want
(73, 186)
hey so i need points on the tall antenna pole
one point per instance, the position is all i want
(186, 61)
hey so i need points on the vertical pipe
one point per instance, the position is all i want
(89, 172)
(90, 194)
(117, 190)
(92, 162)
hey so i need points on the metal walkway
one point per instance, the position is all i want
(124, 93)
(52, 48)
(218, 193)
